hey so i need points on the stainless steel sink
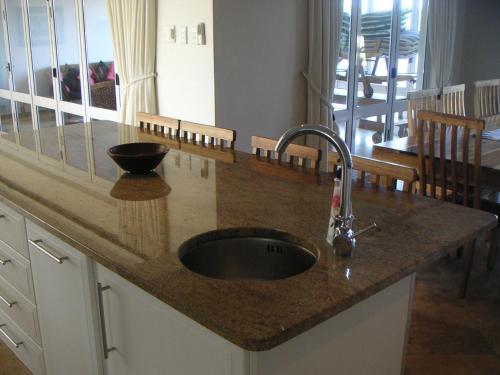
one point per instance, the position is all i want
(246, 254)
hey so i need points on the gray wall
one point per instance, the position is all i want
(481, 45)
(260, 50)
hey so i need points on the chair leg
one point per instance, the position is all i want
(493, 248)
(469, 257)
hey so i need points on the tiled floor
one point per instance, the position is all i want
(448, 335)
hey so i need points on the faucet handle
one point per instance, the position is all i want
(368, 228)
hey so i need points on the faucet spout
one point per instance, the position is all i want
(344, 237)
(342, 149)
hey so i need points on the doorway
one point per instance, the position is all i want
(56, 69)
(382, 48)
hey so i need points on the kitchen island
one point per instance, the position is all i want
(122, 234)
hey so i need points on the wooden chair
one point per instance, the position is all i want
(455, 180)
(159, 124)
(294, 154)
(452, 100)
(487, 101)
(420, 100)
(449, 167)
(382, 173)
(206, 134)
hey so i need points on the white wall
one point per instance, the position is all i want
(260, 50)
(185, 72)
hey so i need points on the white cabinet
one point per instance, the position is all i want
(63, 294)
(149, 337)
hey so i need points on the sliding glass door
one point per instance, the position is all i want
(56, 69)
(378, 64)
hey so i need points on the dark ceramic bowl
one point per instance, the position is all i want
(138, 158)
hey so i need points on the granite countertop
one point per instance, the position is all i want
(134, 226)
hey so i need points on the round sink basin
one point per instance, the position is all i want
(239, 254)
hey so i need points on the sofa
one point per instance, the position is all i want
(102, 85)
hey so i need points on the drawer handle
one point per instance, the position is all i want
(16, 344)
(3, 262)
(55, 258)
(7, 302)
(101, 289)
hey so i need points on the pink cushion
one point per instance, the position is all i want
(111, 72)
(64, 86)
(91, 76)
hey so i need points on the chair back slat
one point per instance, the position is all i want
(417, 101)
(454, 176)
(460, 181)
(160, 124)
(487, 98)
(421, 165)
(477, 166)
(294, 154)
(432, 161)
(207, 134)
(384, 173)
(442, 160)
(452, 100)
(465, 164)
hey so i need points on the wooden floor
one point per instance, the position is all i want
(448, 335)
(453, 336)
(9, 364)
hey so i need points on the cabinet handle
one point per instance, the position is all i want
(16, 344)
(7, 302)
(107, 350)
(3, 262)
(55, 258)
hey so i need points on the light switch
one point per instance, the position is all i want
(193, 35)
(202, 39)
(171, 34)
(183, 35)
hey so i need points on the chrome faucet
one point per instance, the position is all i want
(344, 238)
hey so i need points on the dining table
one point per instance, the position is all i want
(405, 151)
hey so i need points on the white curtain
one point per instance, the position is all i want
(441, 36)
(133, 27)
(325, 25)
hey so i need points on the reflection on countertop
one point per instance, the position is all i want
(135, 226)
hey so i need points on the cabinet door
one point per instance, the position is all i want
(62, 289)
(149, 337)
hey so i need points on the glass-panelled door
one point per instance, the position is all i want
(44, 77)
(7, 124)
(56, 69)
(410, 53)
(378, 63)
(70, 72)
(102, 99)
(20, 68)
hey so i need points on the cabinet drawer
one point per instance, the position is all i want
(13, 230)
(17, 271)
(28, 351)
(21, 311)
